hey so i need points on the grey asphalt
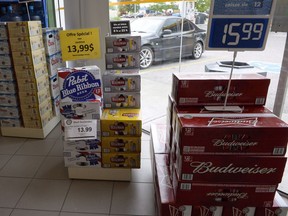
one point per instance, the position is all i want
(157, 82)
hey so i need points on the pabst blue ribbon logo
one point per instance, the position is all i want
(80, 86)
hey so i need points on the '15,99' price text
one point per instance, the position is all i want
(80, 48)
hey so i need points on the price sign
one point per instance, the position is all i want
(80, 44)
(239, 25)
(80, 129)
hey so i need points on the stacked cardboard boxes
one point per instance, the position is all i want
(80, 111)
(10, 113)
(121, 120)
(230, 156)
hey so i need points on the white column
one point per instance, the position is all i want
(88, 14)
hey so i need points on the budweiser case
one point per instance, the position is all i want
(121, 82)
(130, 100)
(211, 89)
(226, 133)
(122, 61)
(80, 84)
(123, 44)
(121, 122)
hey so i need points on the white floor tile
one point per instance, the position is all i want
(55, 133)
(3, 160)
(22, 212)
(82, 214)
(57, 149)
(11, 191)
(89, 197)
(144, 174)
(10, 145)
(44, 195)
(22, 166)
(52, 168)
(145, 149)
(36, 147)
(5, 211)
(133, 199)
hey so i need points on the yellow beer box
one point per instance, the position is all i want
(34, 97)
(31, 110)
(6, 60)
(121, 160)
(33, 84)
(22, 29)
(7, 74)
(4, 47)
(38, 122)
(30, 71)
(19, 44)
(121, 144)
(29, 57)
(121, 122)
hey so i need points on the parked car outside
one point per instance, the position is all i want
(161, 39)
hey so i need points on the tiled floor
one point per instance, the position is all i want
(34, 182)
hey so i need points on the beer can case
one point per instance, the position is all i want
(80, 110)
(10, 112)
(31, 84)
(131, 100)
(32, 58)
(121, 144)
(34, 97)
(24, 29)
(3, 31)
(32, 110)
(54, 86)
(49, 40)
(9, 100)
(19, 44)
(121, 160)
(82, 159)
(82, 145)
(211, 89)
(8, 87)
(121, 122)
(6, 60)
(4, 47)
(122, 61)
(30, 71)
(11, 122)
(121, 82)
(80, 84)
(118, 44)
(7, 74)
(226, 133)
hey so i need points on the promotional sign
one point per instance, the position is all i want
(239, 25)
(120, 27)
(80, 44)
(80, 129)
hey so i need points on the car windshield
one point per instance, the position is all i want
(145, 25)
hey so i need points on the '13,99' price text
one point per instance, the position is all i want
(81, 48)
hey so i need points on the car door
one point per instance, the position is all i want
(188, 37)
(171, 42)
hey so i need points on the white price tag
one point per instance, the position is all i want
(80, 129)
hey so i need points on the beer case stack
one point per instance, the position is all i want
(81, 103)
(121, 124)
(218, 160)
(10, 113)
(54, 61)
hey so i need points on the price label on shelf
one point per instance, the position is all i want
(239, 25)
(80, 129)
(80, 44)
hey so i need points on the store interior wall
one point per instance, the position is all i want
(88, 14)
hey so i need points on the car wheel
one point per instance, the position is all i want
(146, 57)
(197, 50)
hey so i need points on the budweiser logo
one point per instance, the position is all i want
(117, 82)
(248, 121)
(209, 94)
(117, 127)
(130, 115)
(234, 144)
(117, 159)
(208, 167)
(120, 99)
(117, 143)
(229, 195)
(119, 43)
(119, 60)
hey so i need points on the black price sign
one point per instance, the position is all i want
(120, 27)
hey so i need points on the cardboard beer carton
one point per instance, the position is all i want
(231, 133)
(56, 105)
(80, 84)
(211, 89)
(34, 97)
(3, 31)
(122, 61)
(54, 86)
(49, 40)
(119, 44)
(82, 145)
(131, 100)
(8, 87)
(121, 122)
(11, 122)
(38, 121)
(24, 29)
(30, 71)
(121, 160)
(6, 60)
(19, 44)
(4, 47)
(121, 144)
(32, 84)
(121, 82)
(82, 159)
(7, 74)
(54, 62)
(29, 57)
(9, 100)
(32, 110)
(10, 112)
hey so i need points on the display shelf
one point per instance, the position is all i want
(112, 174)
(39, 133)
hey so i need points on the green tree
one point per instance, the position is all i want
(202, 5)
(163, 7)
(127, 8)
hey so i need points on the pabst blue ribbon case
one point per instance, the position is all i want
(82, 145)
(80, 84)
(82, 159)
(230, 133)
(211, 89)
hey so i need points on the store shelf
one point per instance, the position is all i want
(116, 174)
(40, 133)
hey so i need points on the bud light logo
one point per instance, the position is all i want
(80, 86)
